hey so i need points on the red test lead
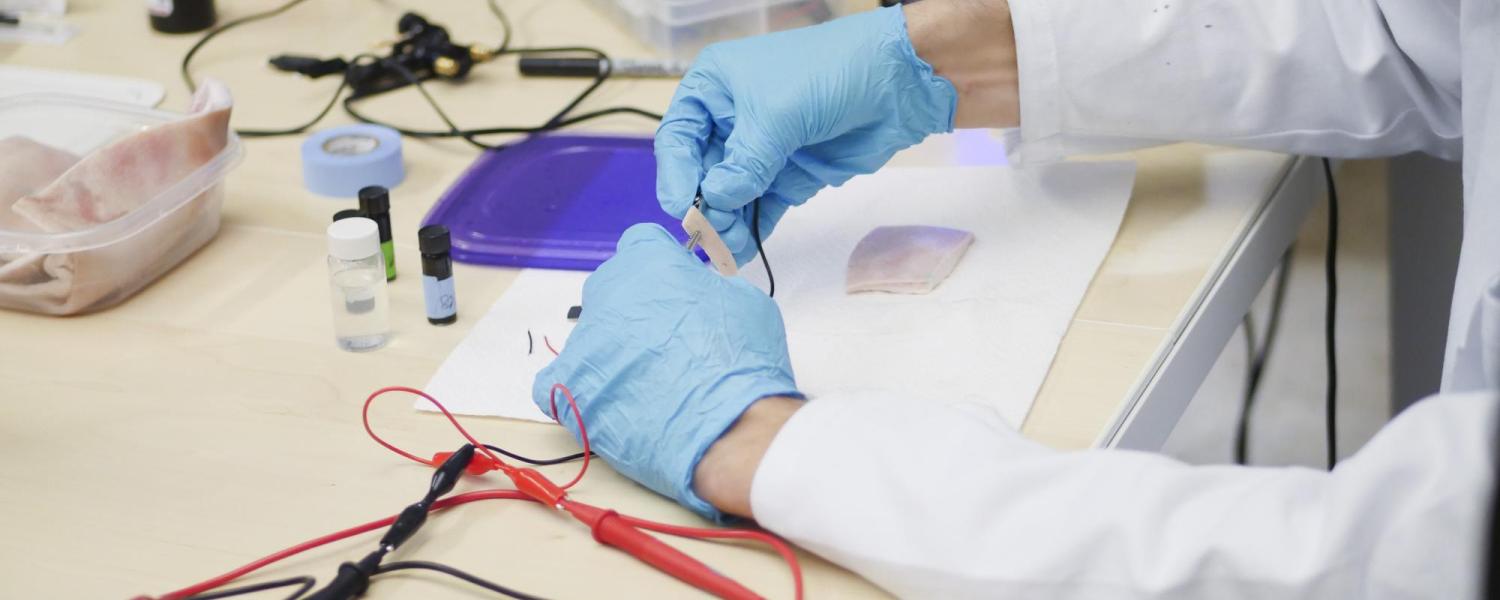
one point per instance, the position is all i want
(609, 528)
(622, 532)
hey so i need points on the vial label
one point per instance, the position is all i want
(438, 296)
(388, 251)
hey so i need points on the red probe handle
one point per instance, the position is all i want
(609, 529)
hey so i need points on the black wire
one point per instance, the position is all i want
(305, 583)
(411, 78)
(187, 77)
(447, 570)
(332, 101)
(1256, 364)
(558, 120)
(505, 30)
(1248, 325)
(1329, 313)
(541, 462)
(1273, 322)
(755, 232)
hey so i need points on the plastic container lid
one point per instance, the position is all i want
(553, 202)
(355, 238)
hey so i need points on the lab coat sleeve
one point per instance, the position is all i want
(1341, 78)
(949, 502)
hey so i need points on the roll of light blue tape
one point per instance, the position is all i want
(339, 161)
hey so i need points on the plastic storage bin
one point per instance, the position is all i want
(92, 268)
(680, 28)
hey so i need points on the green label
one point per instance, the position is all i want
(388, 248)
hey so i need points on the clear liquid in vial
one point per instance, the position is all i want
(361, 309)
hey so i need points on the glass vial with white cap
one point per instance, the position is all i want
(356, 277)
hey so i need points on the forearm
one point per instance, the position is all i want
(724, 474)
(971, 44)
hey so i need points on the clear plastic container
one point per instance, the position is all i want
(680, 28)
(89, 269)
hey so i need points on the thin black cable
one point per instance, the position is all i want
(187, 76)
(1273, 322)
(759, 249)
(1329, 314)
(304, 583)
(560, 119)
(1256, 365)
(1248, 325)
(332, 101)
(541, 462)
(411, 78)
(505, 29)
(447, 570)
(1492, 574)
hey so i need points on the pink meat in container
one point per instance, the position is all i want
(98, 199)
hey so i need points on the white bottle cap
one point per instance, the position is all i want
(355, 238)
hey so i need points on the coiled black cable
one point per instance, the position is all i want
(560, 119)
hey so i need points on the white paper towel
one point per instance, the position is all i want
(490, 371)
(987, 334)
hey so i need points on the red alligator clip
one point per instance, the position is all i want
(480, 465)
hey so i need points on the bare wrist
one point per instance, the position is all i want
(726, 471)
(972, 44)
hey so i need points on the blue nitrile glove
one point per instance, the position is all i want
(665, 357)
(780, 116)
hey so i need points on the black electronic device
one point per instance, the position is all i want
(423, 51)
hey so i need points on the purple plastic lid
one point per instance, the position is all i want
(552, 202)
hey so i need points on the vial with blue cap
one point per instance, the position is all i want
(357, 284)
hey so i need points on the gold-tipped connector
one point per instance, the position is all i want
(445, 66)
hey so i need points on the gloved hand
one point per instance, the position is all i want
(780, 116)
(665, 357)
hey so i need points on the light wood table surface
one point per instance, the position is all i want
(211, 420)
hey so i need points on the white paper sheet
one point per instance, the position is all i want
(490, 371)
(987, 334)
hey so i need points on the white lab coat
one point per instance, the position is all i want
(935, 500)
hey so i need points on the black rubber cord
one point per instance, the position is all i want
(303, 584)
(1257, 357)
(560, 119)
(447, 570)
(540, 462)
(1329, 315)
(759, 248)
